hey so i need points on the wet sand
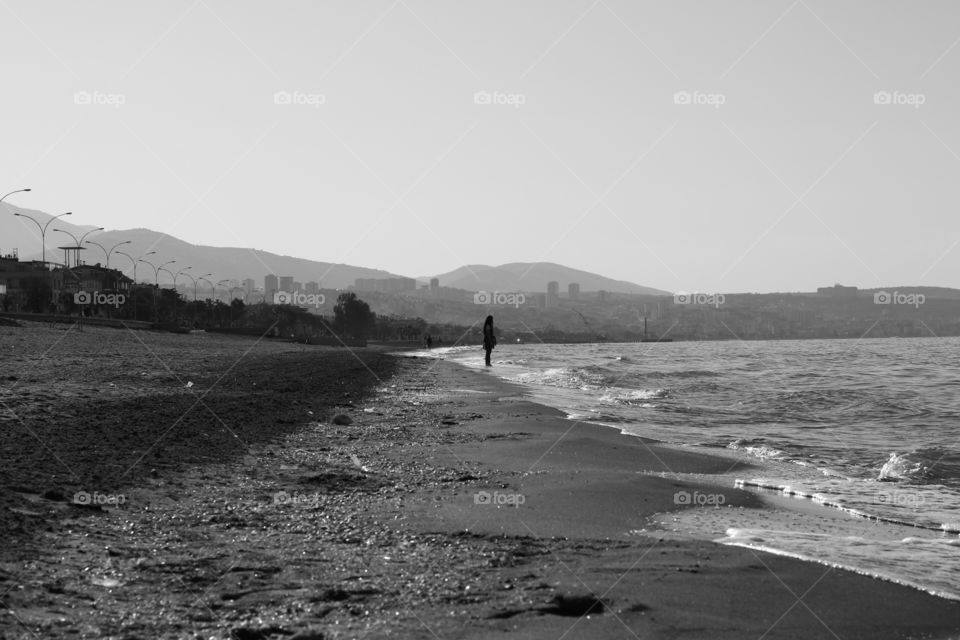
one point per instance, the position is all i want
(248, 513)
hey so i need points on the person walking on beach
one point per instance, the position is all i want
(489, 340)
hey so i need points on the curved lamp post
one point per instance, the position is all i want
(225, 287)
(13, 192)
(177, 274)
(43, 230)
(104, 249)
(79, 242)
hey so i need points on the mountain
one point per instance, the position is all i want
(534, 276)
(221, 262)
(23, 236)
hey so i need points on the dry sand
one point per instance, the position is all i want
(248, 514)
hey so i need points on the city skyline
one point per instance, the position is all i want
(744, 147)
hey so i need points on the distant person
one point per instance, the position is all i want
(489, 339)
(429, 341)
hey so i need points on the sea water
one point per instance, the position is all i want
(867, 428)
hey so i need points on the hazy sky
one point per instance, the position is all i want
(782, 173)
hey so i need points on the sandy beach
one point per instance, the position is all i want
(201, 486)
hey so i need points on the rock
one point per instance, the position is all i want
(262, 633)
(342, 419)
(575, 605)
(307, 634)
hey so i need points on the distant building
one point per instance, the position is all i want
(838, 291)
(435, 286)
(553, 294)
(16, 278)
(573, 291)
(286, 283)
(271, 284)
(312, 287)
(90, 279)
(248, 286)
(297, 286)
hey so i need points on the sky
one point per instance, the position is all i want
(711, 146)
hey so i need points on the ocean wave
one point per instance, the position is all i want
(631, 397)
(931, 465)
(757, 449)
(927, 564)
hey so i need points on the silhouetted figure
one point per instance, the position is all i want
(489, 340)
(429, 342)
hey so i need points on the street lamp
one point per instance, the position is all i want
(13, 192)
(177, 274)
(159, 269)
(209, 283)
(43, 230)
(224, 286)
(80, 241)
(194, 280)
(156, 269)
(104, 249)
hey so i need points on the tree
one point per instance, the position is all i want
(352, 316)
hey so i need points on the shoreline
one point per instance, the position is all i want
(370, 527)
(785, 500)
(613, 440)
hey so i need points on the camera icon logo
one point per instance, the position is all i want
(82, 297)
(282, 297)
(481, 497)
(482, 297)
(682, 497)
(82, 497)
(282, 97)
(681, 297)
(882, 97)
(482, 97)
(882, 297)
(281, 497)
(682, 97)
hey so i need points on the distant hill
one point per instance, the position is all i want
(534, 276)
(222, 262)
(238, 263)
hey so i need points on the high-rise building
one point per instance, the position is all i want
(435, 286)
(573, 291)
(553, 294)
(270, 286)
(312, 287)
(249, 285)
(286, 283)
